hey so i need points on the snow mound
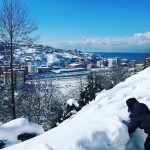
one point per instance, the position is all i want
(12, 129)
(98, 125)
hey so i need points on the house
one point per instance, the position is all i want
(111, 63)
(90, 66)
(80, 61)
(3, 69)
(32, 69)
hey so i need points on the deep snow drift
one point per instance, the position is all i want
(98, 125)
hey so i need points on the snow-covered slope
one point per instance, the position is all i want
(98, 125)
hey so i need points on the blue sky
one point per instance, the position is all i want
(105, 25)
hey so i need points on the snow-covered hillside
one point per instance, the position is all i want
(98, 125)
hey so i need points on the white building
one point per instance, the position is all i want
(100, 63)
(32, 69)
(113, 62)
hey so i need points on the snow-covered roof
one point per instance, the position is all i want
(74, 64)
(1, 57)
(98, 125)
(67, 70)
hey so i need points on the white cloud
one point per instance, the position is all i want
(135, 40)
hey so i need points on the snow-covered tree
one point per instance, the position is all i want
(71, 108)
(40, 104)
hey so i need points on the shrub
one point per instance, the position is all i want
(2, 144)
(26, 136)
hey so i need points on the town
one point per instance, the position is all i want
(38, 61)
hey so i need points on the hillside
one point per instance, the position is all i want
(98, 126)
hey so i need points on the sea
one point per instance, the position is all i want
(124, 55)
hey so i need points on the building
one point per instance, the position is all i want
(80, 61)
(3, 69)
(114, 62)
(19, 78)
(111, 62)
(32, 69)
(100, 63)
(89, 66)
(118, 61)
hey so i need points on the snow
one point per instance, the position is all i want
(41, 147)
(67, 55)
(67, 70)
(98, 125)
(52, 58)
(74, 64)
(30, 50)
(71, 102)
(12, 129)
(1, 57)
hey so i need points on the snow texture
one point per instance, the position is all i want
(41, 147)
(98, 125)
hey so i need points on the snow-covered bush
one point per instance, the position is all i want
(26, 136)
(71, 108)
(2, 144)
(13, 131)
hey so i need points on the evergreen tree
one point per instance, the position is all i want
(94, 85)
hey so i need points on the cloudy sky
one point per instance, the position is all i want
(93, 25)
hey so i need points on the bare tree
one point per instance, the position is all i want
(119, 74)
(15, 28)
(146, 59)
